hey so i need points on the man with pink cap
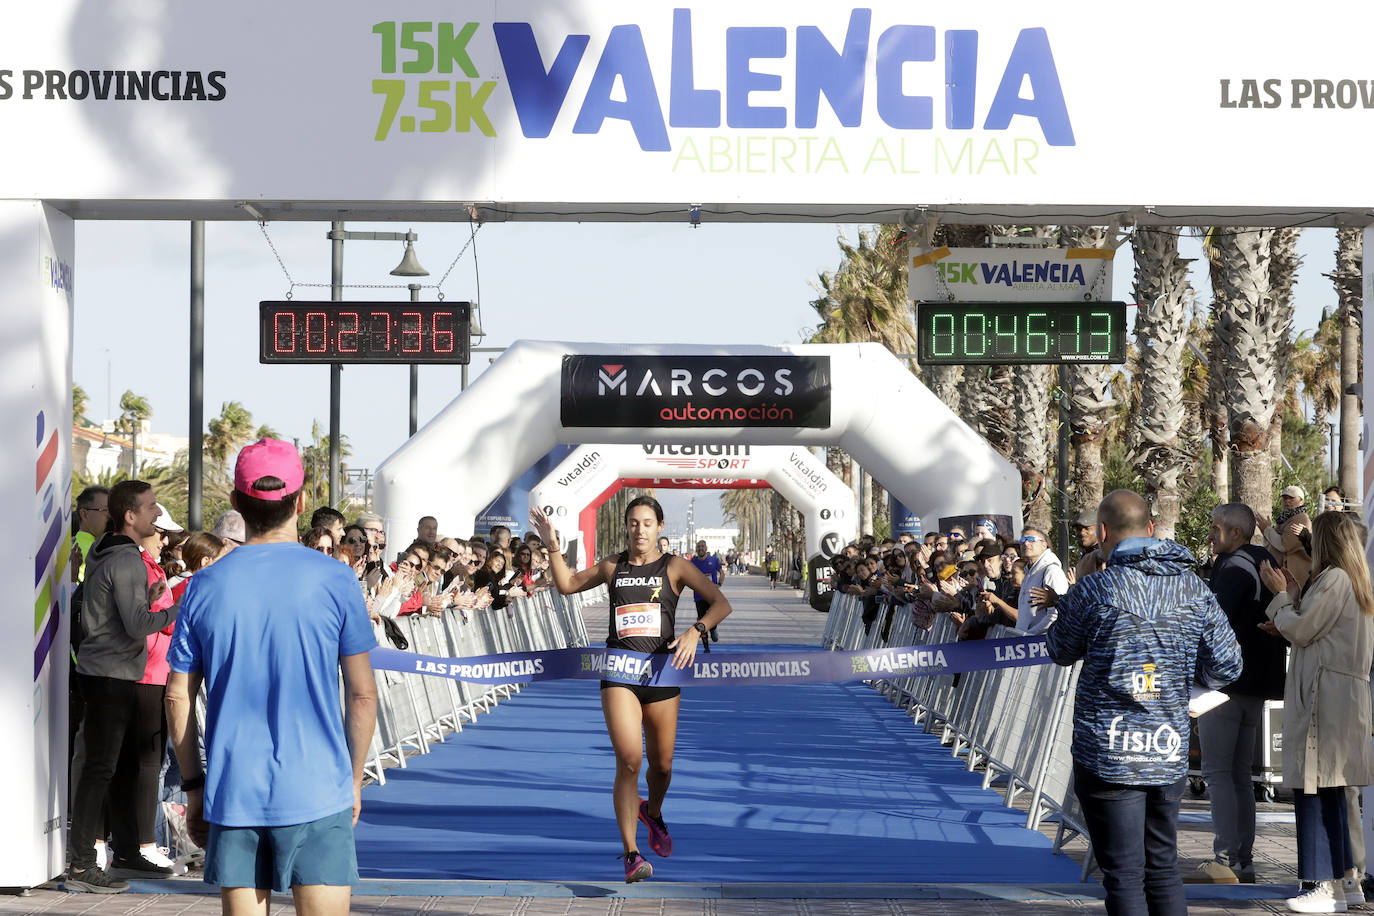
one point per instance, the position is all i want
(267, 630)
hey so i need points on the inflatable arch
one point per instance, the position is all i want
(539, 393)
(584, 477)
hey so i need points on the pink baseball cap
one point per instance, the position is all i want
(269, 458)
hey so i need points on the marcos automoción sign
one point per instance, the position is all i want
(664, 392)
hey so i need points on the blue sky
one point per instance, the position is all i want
(619, 282)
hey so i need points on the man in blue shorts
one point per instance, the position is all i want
(709, 564)
(267, 630)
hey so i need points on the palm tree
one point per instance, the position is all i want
(1283, 273)
(315, 461)
(864, 299)
(1347, 277)
(228, 432)
(1032, 437)
(265, 432)
(1248, 349)
(1163, 315)
(1316, 366)
(750, 510)
(1090, 400)
(79, 402)
(134, 409)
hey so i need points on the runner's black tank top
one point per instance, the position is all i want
(643, 606)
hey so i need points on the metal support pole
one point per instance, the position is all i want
(1062, 465)
(414, 373)
(335, 369)
(195, 463)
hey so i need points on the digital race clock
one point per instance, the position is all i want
(1024, 332)
(363, 332)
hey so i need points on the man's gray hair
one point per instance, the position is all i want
(1236, 515)
(366, 518)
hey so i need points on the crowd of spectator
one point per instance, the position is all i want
(986, 579)
(132, 562)
(1285, 612)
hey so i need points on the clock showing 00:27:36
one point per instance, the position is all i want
(364, 332)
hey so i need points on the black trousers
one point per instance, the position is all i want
(111, 769)
(149, 736)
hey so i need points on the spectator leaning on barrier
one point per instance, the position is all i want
(267, 630)
(1228, 732)
(117, 617)
(1326, 705)
(1289, 537)
(1143, 628)
(1043, 571)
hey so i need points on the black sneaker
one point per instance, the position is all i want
(93, 880)
(139, 867)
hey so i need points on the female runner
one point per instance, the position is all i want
(644, 584)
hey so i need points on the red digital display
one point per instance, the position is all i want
(364, 332)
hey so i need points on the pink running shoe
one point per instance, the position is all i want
(636, 869)
(659, 840)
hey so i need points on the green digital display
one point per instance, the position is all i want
(963, 333)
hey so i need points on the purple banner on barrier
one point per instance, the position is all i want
(732, 670)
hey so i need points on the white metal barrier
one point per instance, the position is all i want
(1014, 723)
(415, 710)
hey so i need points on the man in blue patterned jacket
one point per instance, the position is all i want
(1146, 628)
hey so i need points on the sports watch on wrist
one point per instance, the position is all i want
(700, 628)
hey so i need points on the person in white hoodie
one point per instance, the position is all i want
(1043, 571)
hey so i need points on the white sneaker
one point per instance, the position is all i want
(1321, 897)
(158, 856)
(1354, 893)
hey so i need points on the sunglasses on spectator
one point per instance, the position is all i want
(323, 549)
(355, 540)
(955, 536)
(1030, 539)
(413, 564)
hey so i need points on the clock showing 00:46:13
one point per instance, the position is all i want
(980, 333)
(364, 332)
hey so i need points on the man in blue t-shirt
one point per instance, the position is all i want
(709, 564)
(267, 630)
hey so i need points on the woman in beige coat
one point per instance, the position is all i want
(1326, 705)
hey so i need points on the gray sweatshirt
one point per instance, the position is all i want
(115, 612)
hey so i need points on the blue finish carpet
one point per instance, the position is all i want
(815, 784)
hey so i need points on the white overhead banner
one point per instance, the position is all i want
(795, 104)
(1010, 274)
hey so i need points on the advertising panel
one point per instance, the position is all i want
(902, 519)
(1009, 274)
(807, 105)
(667, 392)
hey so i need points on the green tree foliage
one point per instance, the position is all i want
(80, 400)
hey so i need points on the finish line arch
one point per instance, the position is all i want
(804, 394)
(583, 478)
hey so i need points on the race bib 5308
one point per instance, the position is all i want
(637, 620)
